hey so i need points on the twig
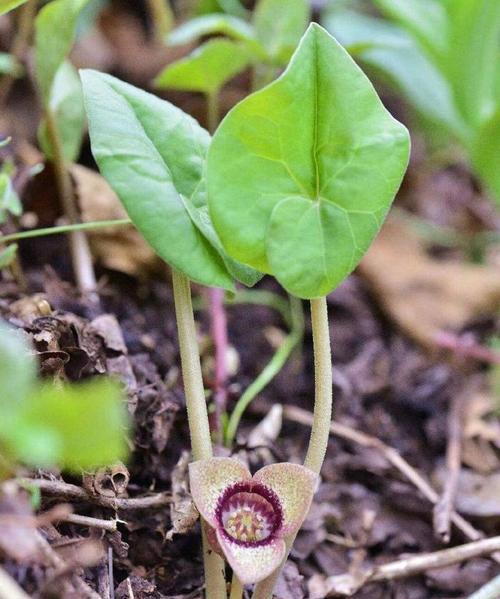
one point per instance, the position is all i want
(162, 17)
(444, 507)
(70, 492)
(9, 589)
(129, 589)
(392, 456)
(346, 584)
(111, 573)
(109, 525)
(20, 44)
(491, 590)
(60, 565)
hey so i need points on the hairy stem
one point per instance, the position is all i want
(218, 322)
(162, 17)
(236, 588)
(79, 247)
(20, 45)
(197, 414)
(322, 416)
(271, 369)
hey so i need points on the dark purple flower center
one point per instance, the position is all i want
(249, 513)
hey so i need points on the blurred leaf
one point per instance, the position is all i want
(231, 7)
(66, 104)
(9, 65)
(212, 24)
(72, 426)
(17, 371)
(302, 173)
(9, 200)
(206, 69)
(7, 255)
(279, 25)
(426, 20)
(55, 28)
(6, 5)
(474, 57)
(486, 153)
(157, 165)
(393, 54)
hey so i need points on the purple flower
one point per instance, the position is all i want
(250, 516)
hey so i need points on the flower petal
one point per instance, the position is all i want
(208, 478)
(294, 485)
(252, 563)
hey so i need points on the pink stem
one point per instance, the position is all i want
(219, 335)
(465, 346)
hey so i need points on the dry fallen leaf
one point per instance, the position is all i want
(183, 512)
(425, 296)
(118, 248)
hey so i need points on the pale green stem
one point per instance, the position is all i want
(9, 589)
(213, 111)
(236, 588)
(98, 224)
(271, 369)
(201, 444)
(162, 16)
(79, 247)
(320, 431)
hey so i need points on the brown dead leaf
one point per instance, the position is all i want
(111, 481)
(117, 248)
(422, 295)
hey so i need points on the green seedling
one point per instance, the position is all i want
(270, 37)
(46, 425)
(206, 70)
(443, 57)
(296, 182)
(9, 65)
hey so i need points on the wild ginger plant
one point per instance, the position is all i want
(296, 183)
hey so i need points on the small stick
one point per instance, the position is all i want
(111, 573)
(9, 589)
(70, 492)
(109, 525)
(444, 507)
(392, 456)
(347, 584)
(129, 589)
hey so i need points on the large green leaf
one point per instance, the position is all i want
(66, 104)
(279, 25)
(207, 68)
(302, 173)
(6, 5)
(397, 57)
(153, 155)
(55, 28)
(486, 153)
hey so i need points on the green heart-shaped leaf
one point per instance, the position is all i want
(302, 173)
(153, 155)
